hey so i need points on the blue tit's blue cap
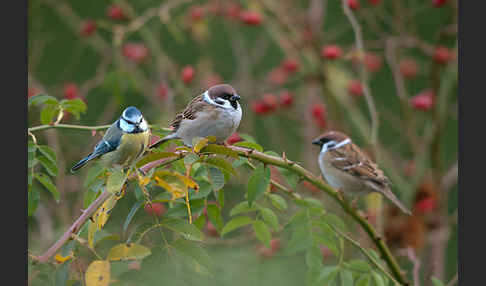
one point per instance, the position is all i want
(132, 115)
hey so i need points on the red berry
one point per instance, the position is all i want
(157, 208)
(438, 3)
(374, 2)
(275, 244)
(211, 229)
(265, 252)
(251, 18)
(423, 101)
(355, 87)
(286, 99)
(135, 52)
(353, 4)
(277, 76)
(408, 68)
(331, 52)
(271, 100)
(234, 138)
(259, 107)
(426, 205)
(318, 112)
(71, 91)
(162, 90)
(115, 12)
(87, 27)
(442, 55)
(187, 74)
(197, 13)
(290, 65)
(372, 62)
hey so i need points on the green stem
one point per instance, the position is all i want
(68, 126)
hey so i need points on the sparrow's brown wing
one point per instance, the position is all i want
(197, 104)
(352, 160)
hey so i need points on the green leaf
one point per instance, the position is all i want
(437, 282)
(93, 173)
(33, 197)
(75, 106)
(359, 265)
(290, 177)
(249, 145)
(40, 99)
(258, 183)
(278, 202)
(47, 183)
(136, 206)
(48, 153)
(116, 181)
(219, 149)
(262, 232)
(48, 113)
(140, 231)
(154, 157)
(235, 223)
(346, 277)
(190, 158)
(188, 231)
(50, 167)
(327, 275)
(378, 279)
(334, 220)
(89, 197)
(364, 280)
(300, 240)
(221, 198)
(197, 253)
(127, 251)
(216, 178)
(221, 163)
(243, 207)
(269, 217)
(200, 222)
(247, 137)
(214, 215)
(313, 257)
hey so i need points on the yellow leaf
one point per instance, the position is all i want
(127, 251)
(177, 190)
(203, 142)
(143, 181)
(61, 259)
(91, 232)
(98, 273)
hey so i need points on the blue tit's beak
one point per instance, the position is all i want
(235, 97)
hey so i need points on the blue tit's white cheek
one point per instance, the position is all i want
(143, 125)
(125, 126)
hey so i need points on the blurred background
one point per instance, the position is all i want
(301, 68)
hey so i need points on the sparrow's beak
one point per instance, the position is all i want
(235, 97)
(316, 142)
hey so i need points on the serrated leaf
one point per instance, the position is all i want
(47, 183)
(327, 275)
(188, 231)
(270, 218)
(48, 153)
(33, 197)
(154, 157)
(235, 223)
(346, 277)
(48, 165)
(359, 265)
(40, 99)
(115, 181)
(300, 240)
(436, 281)
(75, 106)
(313, 257)
(98, 273)
(218, 149)
(127, 251)
(290, 177)
(214, 215)
(93, 173)
(48, 113)
(136, 206)
(363, 280)
(243, 207)
(378, 279)
(216, 177)
(221, 164)
(278, 202)
(249, 145)
(262, 232)
(258, 183)
(197, 253)
(334, 220)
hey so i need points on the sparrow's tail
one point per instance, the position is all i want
(387, 193)
(163, 140)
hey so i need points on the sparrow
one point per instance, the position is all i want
(123, 143)
(216, 112)
(348, 169)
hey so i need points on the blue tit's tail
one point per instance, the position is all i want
(82, 162)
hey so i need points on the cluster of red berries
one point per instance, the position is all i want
(280, 74)
(267, 252)
(187, 74)
(423, 101)
(270, 102)
(318, 111)
(136, 52)
(234, 138)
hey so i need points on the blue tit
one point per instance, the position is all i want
(124, 142)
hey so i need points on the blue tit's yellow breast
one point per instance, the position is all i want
(130, 148)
